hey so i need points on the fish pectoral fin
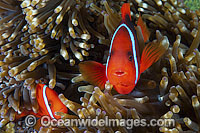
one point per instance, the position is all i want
(152, 52)
(144, 29)
(94, 73)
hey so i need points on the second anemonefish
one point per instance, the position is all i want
(48, 102)
(124, 65)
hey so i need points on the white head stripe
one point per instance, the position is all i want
(46, 102)
(133, 48)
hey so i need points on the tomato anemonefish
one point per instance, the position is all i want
(48, 102)
(124, 65)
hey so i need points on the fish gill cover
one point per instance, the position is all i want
(42, 41)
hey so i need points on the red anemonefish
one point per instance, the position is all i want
(124, 65)
(48, 102)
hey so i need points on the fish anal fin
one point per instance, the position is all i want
(152, 53)
(145, 31)
(24, 113)
(125, 10)
(94, 73)
(18, 116)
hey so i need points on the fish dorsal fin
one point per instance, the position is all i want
(125, 10)
(94, 73)
(144, 29)
(151, 53)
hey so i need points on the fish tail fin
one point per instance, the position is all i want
(94, 73)
(144, 29)
(125, 10)
(151, 54)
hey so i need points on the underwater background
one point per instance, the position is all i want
(192, 4)
(43, 41)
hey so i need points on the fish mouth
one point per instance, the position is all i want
(123, 85)
(120, 73)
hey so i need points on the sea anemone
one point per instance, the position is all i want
(181, 81)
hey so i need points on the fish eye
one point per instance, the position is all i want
(130, 58)
(49, 104)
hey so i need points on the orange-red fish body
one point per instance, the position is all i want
(48, 102)
(124, 64)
